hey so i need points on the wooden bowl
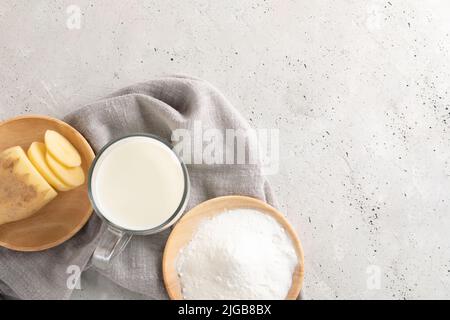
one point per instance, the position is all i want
(69, 211)
(187, 226)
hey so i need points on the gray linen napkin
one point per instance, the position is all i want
(158, 106)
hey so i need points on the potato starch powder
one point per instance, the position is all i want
(238, 254)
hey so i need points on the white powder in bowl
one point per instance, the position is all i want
(238, 254)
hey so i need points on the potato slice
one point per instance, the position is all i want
(73, 177)
(23, 191)
(37, 153)
(61, 149)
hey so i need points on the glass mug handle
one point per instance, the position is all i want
(112, 242)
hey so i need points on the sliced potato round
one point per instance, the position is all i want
(61, 149)
(73, 177)
(37, 153)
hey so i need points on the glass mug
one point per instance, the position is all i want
(139, 186)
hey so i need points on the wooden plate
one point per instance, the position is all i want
(186, 227)
(68, 212)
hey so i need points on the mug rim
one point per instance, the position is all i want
(169, 221)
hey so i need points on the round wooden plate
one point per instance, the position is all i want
(69, 211)
(186, 227)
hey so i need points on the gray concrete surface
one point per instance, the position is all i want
(359, 90)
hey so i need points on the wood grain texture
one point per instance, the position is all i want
(186, 227)
(68, 213)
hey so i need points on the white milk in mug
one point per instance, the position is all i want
(138, 183)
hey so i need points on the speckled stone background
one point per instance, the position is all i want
(359, 90)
